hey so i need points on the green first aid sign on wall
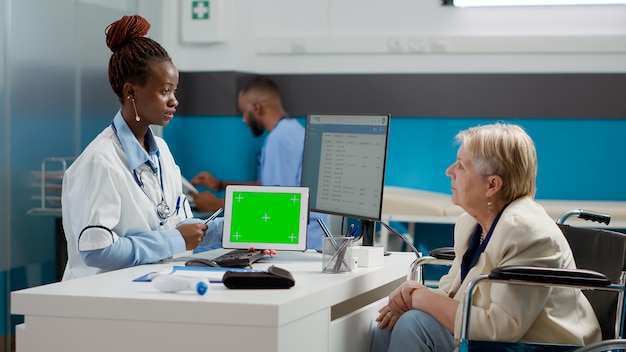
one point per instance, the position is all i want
(200, 10)
(200, 21)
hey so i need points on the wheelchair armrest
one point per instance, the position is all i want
(446, 253)
(437, 256)
(415, 270)
(537, 276)
(575, 277)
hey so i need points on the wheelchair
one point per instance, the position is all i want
(601, 277)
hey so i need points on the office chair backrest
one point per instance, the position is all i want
(603, 251)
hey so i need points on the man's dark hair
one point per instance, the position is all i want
(261, 84)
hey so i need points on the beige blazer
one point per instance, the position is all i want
(524, 235)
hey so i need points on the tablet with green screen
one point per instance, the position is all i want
(266, 217)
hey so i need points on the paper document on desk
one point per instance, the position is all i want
(214, 274)
(188, 188)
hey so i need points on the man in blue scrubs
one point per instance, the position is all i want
(280, 162)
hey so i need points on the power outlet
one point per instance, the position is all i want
(437, 46)
(298, 46)
(395, 45)
(415, 45)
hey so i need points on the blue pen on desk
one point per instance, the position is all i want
(213, 216)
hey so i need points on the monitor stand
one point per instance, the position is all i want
(367, 231)
(368, 228)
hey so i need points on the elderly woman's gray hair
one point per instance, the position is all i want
(505, 150)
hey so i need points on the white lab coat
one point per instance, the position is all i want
(101, 201)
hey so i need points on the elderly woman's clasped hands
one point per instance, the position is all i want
(410, 295)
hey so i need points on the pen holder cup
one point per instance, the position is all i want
(337, 254)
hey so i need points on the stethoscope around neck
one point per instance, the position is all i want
(163, 210)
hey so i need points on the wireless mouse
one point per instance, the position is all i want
(201, 262)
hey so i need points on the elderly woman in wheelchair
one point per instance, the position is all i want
(493, 180)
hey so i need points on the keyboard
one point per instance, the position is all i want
(239, 258)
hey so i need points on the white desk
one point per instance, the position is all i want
(109, 312)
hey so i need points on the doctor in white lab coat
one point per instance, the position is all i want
(122, 199)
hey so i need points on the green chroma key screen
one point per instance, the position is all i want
(265, 217)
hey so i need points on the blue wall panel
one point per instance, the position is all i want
(223, 146)
(578, 158)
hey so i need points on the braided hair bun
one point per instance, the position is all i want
(125, 29)
(132, 52)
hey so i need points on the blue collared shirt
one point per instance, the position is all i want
(135, 153)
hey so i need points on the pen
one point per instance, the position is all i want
(353, 231)
(327, 233)
(334, 243)
(177, 204)
(341, 254)
(214, 215)
(350, 230)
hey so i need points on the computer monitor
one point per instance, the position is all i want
(344, 166)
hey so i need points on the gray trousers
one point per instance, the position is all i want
(414, 331)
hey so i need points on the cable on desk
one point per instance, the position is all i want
(392, 230)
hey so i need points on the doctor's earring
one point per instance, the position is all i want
(137, 118)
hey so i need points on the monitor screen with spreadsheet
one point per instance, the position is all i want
(344, 165)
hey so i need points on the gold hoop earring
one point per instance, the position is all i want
(137, 118)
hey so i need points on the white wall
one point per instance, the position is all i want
(400, 36)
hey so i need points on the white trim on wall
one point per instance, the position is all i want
(401, 36)
(426, 44)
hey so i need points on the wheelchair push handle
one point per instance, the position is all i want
(587, 215)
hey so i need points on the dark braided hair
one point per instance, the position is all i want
(132, 52)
